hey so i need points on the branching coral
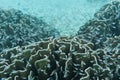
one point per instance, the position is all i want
(58, 59)
(19, 29)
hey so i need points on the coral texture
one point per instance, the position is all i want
(59, 59)
(105, 24)
(94, 54)
(19, 29)
(113, 44)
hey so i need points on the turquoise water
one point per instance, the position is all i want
(59, 40)
(65, 15)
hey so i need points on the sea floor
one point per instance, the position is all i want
(65, 15)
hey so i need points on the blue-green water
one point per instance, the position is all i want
(65, 15)
(33, 45)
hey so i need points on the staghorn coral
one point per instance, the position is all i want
(105, 24)
(19, 29)
(59, 59)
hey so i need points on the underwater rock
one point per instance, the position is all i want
(105, 24)
(59, 59)
(19, 29)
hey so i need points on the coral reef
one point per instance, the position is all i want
(59, 59)
(112, 44)
(19, 29)
(93, 54)
(112, 47)
(105, 24)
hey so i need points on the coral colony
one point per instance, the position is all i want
(18, 29)
(92, 54)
